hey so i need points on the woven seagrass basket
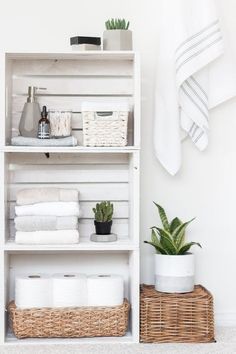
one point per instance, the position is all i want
(69, 322)
(183, 318)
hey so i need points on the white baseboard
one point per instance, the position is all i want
(225, 319)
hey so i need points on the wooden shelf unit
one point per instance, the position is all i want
(99, 173)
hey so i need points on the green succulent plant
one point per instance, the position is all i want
(103, 211)
(171, 238)
(117, 24)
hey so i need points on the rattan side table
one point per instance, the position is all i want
(179, 318)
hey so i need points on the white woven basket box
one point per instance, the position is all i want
(105, 124)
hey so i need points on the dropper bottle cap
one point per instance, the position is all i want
(44, 113)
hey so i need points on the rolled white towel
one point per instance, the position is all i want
(40, 195)
(44, 223)
(49, 209)
(47, 237)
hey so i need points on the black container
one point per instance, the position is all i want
(103, 228)
(85, 40)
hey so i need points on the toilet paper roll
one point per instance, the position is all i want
(33, 290)
(105, 290)
(69, 290)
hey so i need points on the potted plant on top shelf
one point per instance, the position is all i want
(103, 213)
(117, 35)
(174, 265)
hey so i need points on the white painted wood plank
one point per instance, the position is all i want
(69, 150)
(88, 191)
(68, 159)
(134, 194)
(137, 100)
(69, 174)
(121, 210)
(134, 282)
(71, 102)
(122, 244)
(74, 85)
(72, 67)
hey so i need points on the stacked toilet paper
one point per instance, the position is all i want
(68, 290)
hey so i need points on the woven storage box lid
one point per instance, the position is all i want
(182, 318)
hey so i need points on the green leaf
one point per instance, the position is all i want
(127, 26)
(184, 249)
(163, 217)
(154, 237)
(157, 247)
(178, 234)
(166, 241)
(174, 224)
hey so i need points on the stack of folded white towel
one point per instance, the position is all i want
(47, 216)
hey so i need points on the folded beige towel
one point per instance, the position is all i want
(47, 237)
(44, 223)
(38, 195)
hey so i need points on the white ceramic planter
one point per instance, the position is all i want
(117, 40)
(174, 274)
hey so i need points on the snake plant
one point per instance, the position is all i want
(117, 24)
(171, 238)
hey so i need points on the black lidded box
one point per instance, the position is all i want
(85, 40)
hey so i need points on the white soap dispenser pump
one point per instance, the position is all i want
(31, 114)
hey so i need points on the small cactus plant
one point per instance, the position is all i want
(103, 211)
(117, 24)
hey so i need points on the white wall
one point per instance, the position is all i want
(205, 187)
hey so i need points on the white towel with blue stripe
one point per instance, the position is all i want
(195, 73)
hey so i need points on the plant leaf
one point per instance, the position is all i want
(163, 217)
(174, 224)
(157, 247)
(166, 241)
(184, 249)
(178, 234)
(154, 237)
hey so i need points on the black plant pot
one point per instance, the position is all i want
(103, 228)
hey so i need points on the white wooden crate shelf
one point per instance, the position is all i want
(98, 173)
(66, 150)
(83, 245)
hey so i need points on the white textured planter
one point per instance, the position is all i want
(117, 40)
(174, 274)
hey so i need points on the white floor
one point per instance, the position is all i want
(226, 344)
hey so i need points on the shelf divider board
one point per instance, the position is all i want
(121, 183)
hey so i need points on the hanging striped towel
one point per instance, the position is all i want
(194, 74)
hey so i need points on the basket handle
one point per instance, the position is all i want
(106, 115)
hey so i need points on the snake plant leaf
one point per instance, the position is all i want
(163, 217)
(127, 26)
(166, 240)
(174, 224)
(154, 237)
(178, 234)
(184, 249)
(158, 248)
